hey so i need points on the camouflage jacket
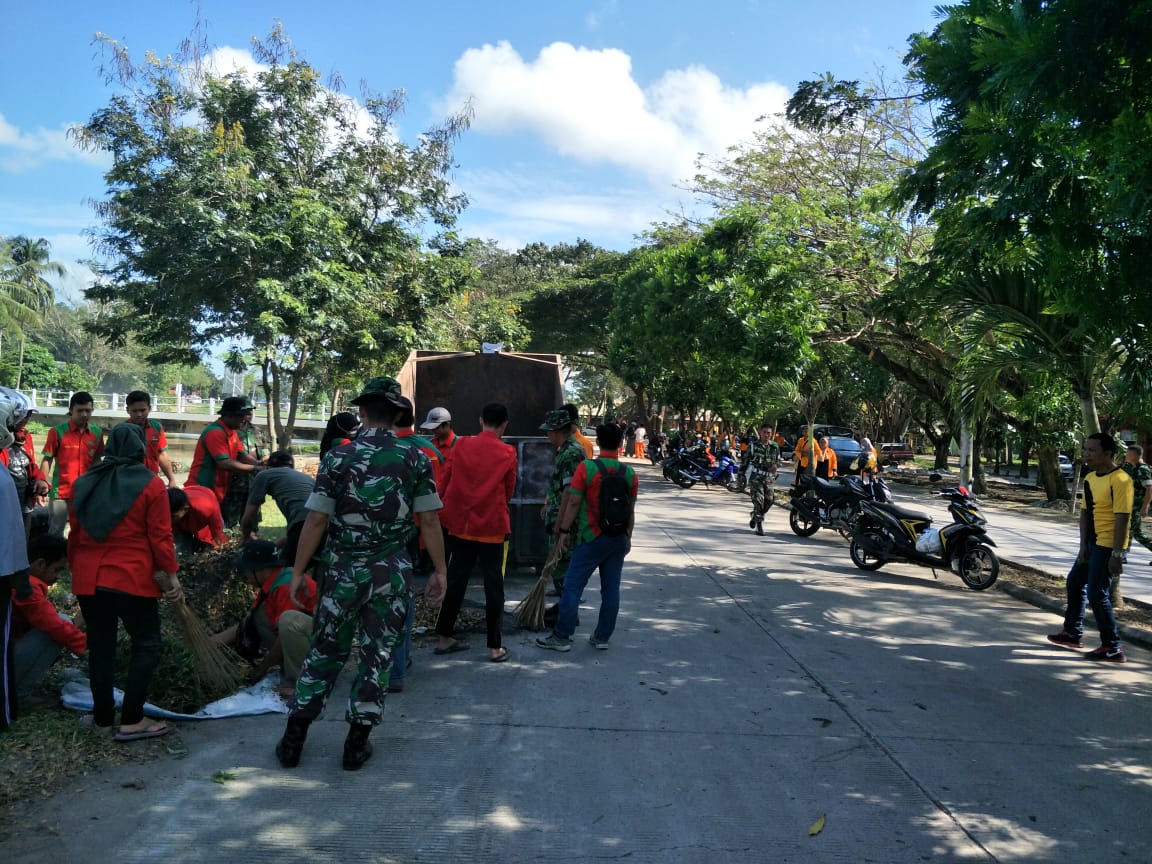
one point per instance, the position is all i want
(568, 459)
(762, 457)
(1141, 475)
(369, 488)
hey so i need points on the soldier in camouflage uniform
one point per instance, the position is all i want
(1136, 468)
(569, 454)
(760, 460)
(366, 493)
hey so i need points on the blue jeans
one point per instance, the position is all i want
(400, 652)
(604, 552)
(1090, 580)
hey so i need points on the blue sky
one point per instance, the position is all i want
(588, 115)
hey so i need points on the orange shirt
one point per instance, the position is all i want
(217, 443)
(478, 484)
(73, 452)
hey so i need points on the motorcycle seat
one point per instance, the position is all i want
(903, 512)
(824, 487)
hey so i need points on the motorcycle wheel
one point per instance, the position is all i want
(734, 484)
(801, 524)
(682, 481)
(979, 567)
(865, 560)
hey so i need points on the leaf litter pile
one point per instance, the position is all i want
(47, 746)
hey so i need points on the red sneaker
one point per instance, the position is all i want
(1107, 655)
(1065, 640)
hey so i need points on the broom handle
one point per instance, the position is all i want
(167, 582)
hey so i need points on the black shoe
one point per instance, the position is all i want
(759, 529)
(357, 750)
(291, 745)
(752, 522)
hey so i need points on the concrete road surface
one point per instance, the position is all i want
(756, 690)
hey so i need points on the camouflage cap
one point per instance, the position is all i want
(556, 419)
(382, 387)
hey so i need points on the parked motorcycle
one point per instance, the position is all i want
(887, 532)
(696, 465)
(834, 504)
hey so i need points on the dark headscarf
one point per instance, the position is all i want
(339, 426)
(104, 494)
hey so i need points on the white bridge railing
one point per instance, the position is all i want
(168, 403)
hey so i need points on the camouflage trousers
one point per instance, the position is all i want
(1136, 529)
(762, 488)
(561, 564)
(362, 598)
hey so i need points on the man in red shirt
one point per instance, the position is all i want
(39, 632)
(478, 484)
(20, 459)
(69, 450)
(438, 425)
(138, 404)
(219, 453)
(196, 520)
(284, 628)
(595, 545)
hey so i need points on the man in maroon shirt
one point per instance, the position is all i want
(69, 450)
(478, 484)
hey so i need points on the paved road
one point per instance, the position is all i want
(755, 686)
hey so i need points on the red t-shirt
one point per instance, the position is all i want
(155, 443)
(38, 613)
(73, 452)
(278, 587)
(125, 561)
(203, 519)
(587, 525)
(216, 444)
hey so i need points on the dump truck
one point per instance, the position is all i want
(530, 386)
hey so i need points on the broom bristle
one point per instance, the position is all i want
(213, 665)
(530, 611)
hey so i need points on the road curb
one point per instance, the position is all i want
(1132, 634)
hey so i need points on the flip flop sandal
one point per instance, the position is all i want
(453, 648)
(156, 731)
(499, 658)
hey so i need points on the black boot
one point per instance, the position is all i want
(759, 527)
(357, 750)
(290, 747)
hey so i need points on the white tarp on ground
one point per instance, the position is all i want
(259, 698)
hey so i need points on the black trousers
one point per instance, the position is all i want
(464, 555)
(103, 612)
(7, 675)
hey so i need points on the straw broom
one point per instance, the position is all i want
(529, 612)
(216, 665)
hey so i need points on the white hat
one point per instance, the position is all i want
(436, 417)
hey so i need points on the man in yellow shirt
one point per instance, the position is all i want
(1103, 541)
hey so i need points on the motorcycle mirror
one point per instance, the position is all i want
(935, 478)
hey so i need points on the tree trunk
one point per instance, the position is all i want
(1048, 474)
(1089, 417)
(1025, 449)
(979, 478)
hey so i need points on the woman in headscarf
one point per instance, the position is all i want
(121, 541)
(340, 429)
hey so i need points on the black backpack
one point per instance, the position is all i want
(615, 501)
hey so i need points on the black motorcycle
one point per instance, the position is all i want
(834, 504)
(887, 532)
(691, 466)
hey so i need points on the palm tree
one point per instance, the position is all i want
(25, 293)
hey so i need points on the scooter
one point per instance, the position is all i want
(834, 504)
(695, 465)
(887, 532)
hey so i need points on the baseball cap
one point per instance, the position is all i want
(234, 405)
(436, 417)
(381, 387)
(555, 419)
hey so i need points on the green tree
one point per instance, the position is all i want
(25, 292)
(264, 209)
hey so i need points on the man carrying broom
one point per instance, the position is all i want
(366, 492)
(558, 426)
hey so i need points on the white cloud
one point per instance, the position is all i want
(24, 151)
(515, 208)
(586, 105)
